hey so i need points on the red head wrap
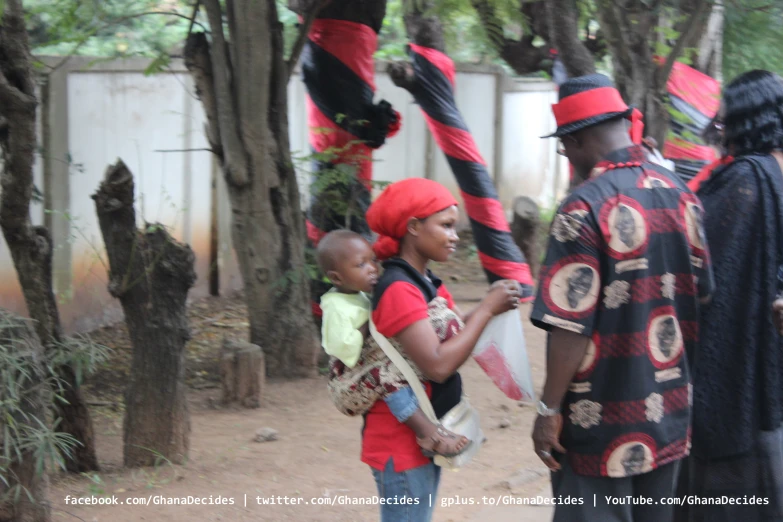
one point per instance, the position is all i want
(388, 216)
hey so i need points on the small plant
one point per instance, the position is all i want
(24, 379)
(96, 486)
(153, 479)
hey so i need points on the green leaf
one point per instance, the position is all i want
(159, 64)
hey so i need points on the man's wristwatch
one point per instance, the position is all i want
(545, 411)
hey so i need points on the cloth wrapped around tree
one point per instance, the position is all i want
(432, 86)
(345, 127)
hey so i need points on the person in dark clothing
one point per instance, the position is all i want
(738, 366)
(617, 364)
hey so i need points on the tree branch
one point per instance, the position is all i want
(12, 99)
(199, 62)
(193, 18)
(576, 58)
(423, 27)
(691, 30)
(521, 55)
(234, 167)
(301, 38)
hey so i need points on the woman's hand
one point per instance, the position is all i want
(502, 297)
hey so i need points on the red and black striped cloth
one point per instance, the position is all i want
(338, 72)
(345, 126)
(500, 257)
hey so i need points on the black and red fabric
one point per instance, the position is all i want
(404, 296)
(390, 213)
(500, 257)
(705, 173)
(345, 126)
(626, 266)
(694, 99)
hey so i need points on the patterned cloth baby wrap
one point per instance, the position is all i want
(355, 390)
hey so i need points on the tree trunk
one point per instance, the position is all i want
(31, 247)
(564, 21)
(524, 228)
(710, 60)
(20, 340)
(151, 274)
(640, 77)
(242, 372)
(241, 79)
(432, 89)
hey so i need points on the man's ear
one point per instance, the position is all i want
(414, 225)
(335, 277)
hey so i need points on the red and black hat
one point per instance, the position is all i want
(589, 100)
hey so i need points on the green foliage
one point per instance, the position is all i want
(22, 380)
(752, 37)
(109, 28)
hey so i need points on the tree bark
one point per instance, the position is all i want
(244, 95)
(639, 77)
(564, 21)
(525, 230)
(31, 246)
(711, 46)
(19, 338)
(151, 274)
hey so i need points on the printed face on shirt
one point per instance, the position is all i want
(630, 458)
(633, 461)
(356, 269)
(579, 284)
(575, 287)
(667, 336)
(665, 339)
(627, 229)
(694, 221)
(625, 225)
(435, 237)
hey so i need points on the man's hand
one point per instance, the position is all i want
(546, 436)
(777, 314)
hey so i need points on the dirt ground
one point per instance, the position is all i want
(317, 453)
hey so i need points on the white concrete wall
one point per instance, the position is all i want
(106, 111)
(531, 165)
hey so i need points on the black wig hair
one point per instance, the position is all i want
(754, 113)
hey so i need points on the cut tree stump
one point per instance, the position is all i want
(242, 372)
(524, 230)
(151, 274)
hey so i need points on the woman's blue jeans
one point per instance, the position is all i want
(407, 496)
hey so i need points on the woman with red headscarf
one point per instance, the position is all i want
(416, 222)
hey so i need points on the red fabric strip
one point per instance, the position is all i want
(439, 60)
(587, 104)
(453, 142)
(487, 211)
(704, 174)
(507, 269)
(316, 308)
(679, 149)
(314, 234)
(325, 134)
(695, 88)
(350, 42)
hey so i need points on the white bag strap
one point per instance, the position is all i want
(407, 372)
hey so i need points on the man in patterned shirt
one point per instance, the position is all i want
(626, 269)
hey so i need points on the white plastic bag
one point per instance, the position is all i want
(502, 354)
